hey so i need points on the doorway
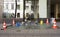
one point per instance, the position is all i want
(52, 12)
(55, 9)
(32, 8)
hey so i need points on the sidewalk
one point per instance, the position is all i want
(31, 33)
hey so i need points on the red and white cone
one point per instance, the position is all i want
(13, 22)
(47, 22)
(54, 25)
(54, 21)
(4, 26)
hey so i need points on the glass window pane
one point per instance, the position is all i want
(12, 6)
(18, 0)
(18, 7)
(7, 6)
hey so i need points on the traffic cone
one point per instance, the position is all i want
(13, 22)
(54, 25)
(4, 26)
(47, 22)
(54, 21)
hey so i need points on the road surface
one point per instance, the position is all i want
(30, 32)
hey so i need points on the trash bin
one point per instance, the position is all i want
(18, 24)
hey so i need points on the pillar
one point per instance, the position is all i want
(42, 8)
(56, 10)
(48, 8)
(36, 8)
(1, 8)
(21, 8)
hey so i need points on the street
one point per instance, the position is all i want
(16, 32)
(31, 33)
(29, 18)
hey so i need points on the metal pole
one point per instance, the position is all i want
(15, 7)
(24, 10)
(48, 8)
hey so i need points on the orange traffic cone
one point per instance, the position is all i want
(4, 26)
(47, 22)
(54, 25)
(54, 21)
(13, 22)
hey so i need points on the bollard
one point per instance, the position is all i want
(41, 22)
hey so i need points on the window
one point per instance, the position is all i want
(18, 0)
(12, 0)
(26, 7)
(6, 6)
(12, 6)
(27, 14)
(18, 14)
(18, 7)
(27, 1)
(4, 15)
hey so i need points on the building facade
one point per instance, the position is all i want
(39, 8)
(31, 6)
(10, 6)
(1, 8)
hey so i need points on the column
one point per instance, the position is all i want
(56, 10)
(1, 8)
(42, 8)
(36, 8)
(48, 8)
(30, 5)
(21, 8)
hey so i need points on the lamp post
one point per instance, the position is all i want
(23, 10)
(15, 7)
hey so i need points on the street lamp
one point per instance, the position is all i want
(15, 7)
(23, 10)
